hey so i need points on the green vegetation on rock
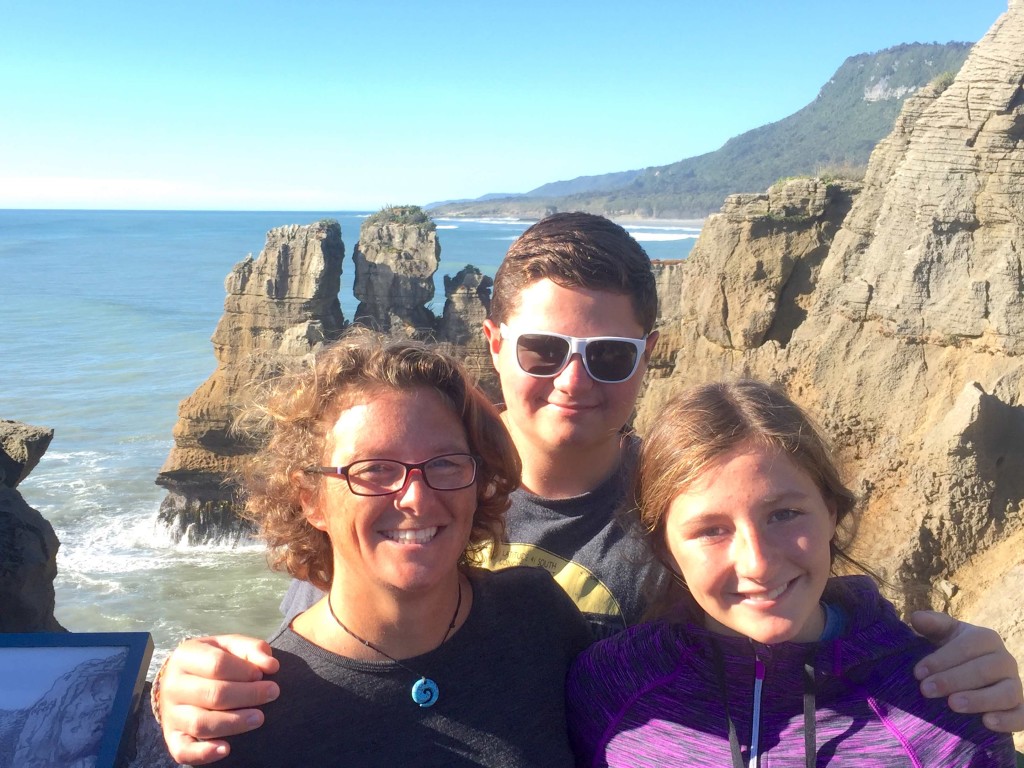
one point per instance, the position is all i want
(400, 214)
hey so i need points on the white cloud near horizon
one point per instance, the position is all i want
(78, 192)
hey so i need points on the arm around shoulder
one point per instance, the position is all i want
(207, 690)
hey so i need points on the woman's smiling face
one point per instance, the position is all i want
(411, 539)
(751, 539)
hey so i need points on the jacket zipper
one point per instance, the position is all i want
(755, 727)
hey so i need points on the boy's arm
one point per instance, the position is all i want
(208, 689)
(972, 668)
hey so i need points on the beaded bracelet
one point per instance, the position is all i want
(154, 692)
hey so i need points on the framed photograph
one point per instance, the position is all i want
(67, 697)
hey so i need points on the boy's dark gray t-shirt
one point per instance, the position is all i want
(586, 543)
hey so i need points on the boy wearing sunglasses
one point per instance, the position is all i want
(570, 332)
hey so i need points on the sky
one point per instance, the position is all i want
(331, 106)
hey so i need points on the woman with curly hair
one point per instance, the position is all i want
(385, 473)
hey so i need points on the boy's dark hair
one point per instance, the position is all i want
(577, 250)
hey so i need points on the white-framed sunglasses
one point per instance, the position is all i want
(607, 359)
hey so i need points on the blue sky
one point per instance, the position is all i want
(340, 105)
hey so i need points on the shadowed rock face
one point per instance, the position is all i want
(279, 306)
(903, 328)
(21, 447)
(28, 545)
(467, 302)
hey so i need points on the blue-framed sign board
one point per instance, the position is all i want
(67, 697)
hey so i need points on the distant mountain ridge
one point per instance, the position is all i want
(833, 135)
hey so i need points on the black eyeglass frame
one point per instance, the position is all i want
(577, 345)
(407, 467)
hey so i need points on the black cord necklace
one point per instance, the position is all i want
(424, 690)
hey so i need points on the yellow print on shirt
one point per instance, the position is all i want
(585, 589)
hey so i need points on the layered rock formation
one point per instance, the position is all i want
(467, 302)
(283, 305)
(395, 261)
(28, 545)
(280, 305)
(903, 329)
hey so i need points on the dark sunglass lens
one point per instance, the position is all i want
(540, 354)
(611, 360)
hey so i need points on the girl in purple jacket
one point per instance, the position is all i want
(760, 658)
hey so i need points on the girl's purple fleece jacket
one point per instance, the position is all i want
(653, 696)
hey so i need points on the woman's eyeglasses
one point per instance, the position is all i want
(379, 477)
(608, 359)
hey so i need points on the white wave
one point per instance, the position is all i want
(447, 226)
(658, 237)
(505, 220)
(660, 227)
(104, 544)
(52, 456)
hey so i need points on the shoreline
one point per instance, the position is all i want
(635, 222)
(623, 221)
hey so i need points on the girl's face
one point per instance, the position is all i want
(751, 539)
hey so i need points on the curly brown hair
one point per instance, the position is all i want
(699, 427)
(294, 413)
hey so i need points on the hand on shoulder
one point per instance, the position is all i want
(207, 689)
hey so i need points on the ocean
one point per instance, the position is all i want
(107, 318)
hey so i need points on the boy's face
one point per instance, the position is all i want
(569, 410)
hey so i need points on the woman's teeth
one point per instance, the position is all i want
(412, 536)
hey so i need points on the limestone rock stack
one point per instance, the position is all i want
(395, 261)
(467, 302)
(904, 330)
(280, 305)
(28, 544)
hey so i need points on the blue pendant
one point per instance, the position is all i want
(424, 692)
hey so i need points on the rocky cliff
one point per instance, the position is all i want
(283, 305)
(395, 262)
(895, 312)
(279, 305)
(28, 545)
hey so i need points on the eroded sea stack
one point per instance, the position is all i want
(28, 544)
(395, 261)
(903, 329)
(283, 305)
(278, 306)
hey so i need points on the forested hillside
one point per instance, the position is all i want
(833, 135)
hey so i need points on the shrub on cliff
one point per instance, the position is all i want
(401, 214)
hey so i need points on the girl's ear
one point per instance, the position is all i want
(833, 515)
